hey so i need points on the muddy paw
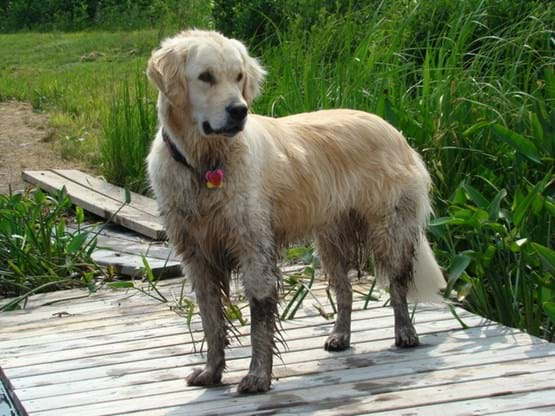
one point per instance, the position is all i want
(203, 377)
(337, 342)
(406, 337)
(254, 384)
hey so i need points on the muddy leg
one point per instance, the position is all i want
(208, 285)
(334, 258)
(394, 243)
(263, 315)
(405, 334)
(394, 259)
(340, 337)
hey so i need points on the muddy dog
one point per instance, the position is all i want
(234, 187)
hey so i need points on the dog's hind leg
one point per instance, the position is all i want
(209, 285)
(394, 255)
(336, 269)
(338, 248)
(405, 334)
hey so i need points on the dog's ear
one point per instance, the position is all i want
(254, 74)
(165, 68)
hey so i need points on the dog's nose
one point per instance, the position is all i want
(237, 111)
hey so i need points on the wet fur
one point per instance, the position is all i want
(344, 177)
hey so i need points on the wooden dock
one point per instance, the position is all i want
(119, 352)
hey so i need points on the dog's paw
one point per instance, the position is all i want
(253, 383)
(337, 342)
(203, 377)
(405, 337)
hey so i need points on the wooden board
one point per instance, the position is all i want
(153, 250)
(132, 265)
(123, 250)
(108, 207)
(99, 185)
(133, 359)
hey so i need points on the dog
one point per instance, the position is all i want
(235, 187)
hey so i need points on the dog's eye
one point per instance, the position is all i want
(207, 77)
(239, 77)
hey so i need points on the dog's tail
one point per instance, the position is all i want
(428, 278)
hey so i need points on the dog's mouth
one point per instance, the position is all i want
(229, 131)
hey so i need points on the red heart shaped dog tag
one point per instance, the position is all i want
(214, 178)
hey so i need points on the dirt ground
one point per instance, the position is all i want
(25, 143)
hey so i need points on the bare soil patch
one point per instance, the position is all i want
(26, 142)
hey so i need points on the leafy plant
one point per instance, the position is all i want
(501, 265)
(38, 253)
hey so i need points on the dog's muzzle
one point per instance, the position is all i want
(236, 118)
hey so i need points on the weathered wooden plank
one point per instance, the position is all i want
(41, 299)
(112, 230)
(116, 238)
(533, 409)
(118, 341)
(291, 376)
(76, 324)
(117, 193)
(61, 319)
(36, 309)
(98, 204)
(144, 329)
(76, 328)
(446, 341)
(120, 304)
(177, 357)
(517, 404)
(405, 400)
(350, 397)
(155, 250)
(298, 339)
(80, 308)
(132, 265)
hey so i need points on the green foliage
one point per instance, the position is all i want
(71, 15)
(500, 262)
(38, 252)
(129, 125)
(263, 21)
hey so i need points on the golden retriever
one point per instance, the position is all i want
(234, 187)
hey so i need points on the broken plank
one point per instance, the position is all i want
(117, 193)
(149, 250)
(132, 264)
(99, 204)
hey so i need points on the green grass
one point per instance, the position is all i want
(73, 77)
(128, 128)
(471, 85)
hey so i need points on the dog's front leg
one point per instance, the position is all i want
(209, 285)
(261, 288)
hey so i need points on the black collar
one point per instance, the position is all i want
(174, 151)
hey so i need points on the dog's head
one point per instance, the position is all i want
(211, 77)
